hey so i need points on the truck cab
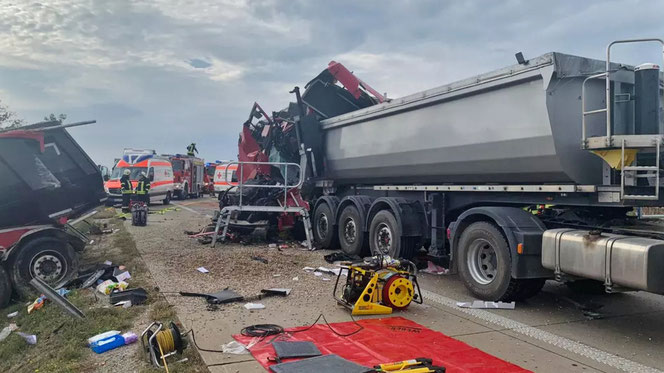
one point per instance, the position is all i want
(188, 175)
(158, 170)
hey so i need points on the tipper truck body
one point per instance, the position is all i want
(509, 178)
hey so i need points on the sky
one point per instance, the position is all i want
(161, 74)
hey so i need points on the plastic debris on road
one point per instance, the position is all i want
(254, 306)
(31, 339)
(235, 348)
(13, 314)
(295, 278)
(202, 270)
(435, 269)
(478, 304)
(7, 331)
(101, 336)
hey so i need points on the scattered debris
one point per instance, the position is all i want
(113, 341)
(108, 263)
(122, 275)
(295, 278)
(435, 269)
(272, 246)
(276, 275)
(108, 286)
(326, 279)
(136, 296)
(235, 348)
(259, 259)
(37, 304)
(55, 297)
(123, 304)
(308, 269)
(12, 315)
(101, 336)
(202, 270)
(31, 339)
(479, 304)
(340, 257)
(220, 297)
(7, 331)
(276, 291)
(254, 306)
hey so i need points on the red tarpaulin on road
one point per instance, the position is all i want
(386, 340)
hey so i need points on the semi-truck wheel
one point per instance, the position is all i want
(5, 288)
(51, 259)
(351, 234)
(385, 235)
(485, 265)
(324, 233)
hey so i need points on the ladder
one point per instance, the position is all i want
(648, 143)
(638, 172)
(226, 213)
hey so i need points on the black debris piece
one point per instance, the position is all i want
(340, 257)
(136, 296)
(259, 259)
(220, 297)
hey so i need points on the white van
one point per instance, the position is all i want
(225, 177)
(158, 169)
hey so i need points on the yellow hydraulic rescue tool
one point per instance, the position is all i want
(378, 285)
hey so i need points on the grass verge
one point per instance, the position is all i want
(61, 338)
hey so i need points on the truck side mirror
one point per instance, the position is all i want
(106, 177)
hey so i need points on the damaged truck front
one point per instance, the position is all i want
(504, 177)
(46, 179)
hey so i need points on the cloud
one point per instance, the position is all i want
(163, 73)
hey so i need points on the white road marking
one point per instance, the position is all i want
(192, 210)
(544, 336)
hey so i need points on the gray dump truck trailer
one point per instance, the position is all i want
(524, 174)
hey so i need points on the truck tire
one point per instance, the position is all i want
(49, 258)
(385, 237)
(485, 265)
(323, 227)
(167, 200)
(351, 234)
(5, 288)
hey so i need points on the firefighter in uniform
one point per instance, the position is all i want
(126, 189)
(191, 149)
(143, 188)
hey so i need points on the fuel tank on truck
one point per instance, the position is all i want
(520, 124)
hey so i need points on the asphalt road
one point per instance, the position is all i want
(548, 333)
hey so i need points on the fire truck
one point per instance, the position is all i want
(188, 174)
(208, 177)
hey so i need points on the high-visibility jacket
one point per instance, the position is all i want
(125, 185)
(143, 186)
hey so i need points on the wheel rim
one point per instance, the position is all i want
(482, 261)
(350, 231)
(383, 238)
(322, 226)
(48, 266)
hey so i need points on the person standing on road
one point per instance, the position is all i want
(143, 188)
(191, 149)
(126, 189)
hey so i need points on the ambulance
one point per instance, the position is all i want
(225, 177)
(158, 169)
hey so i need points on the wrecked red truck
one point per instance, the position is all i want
(528, 173)
(47, 180)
